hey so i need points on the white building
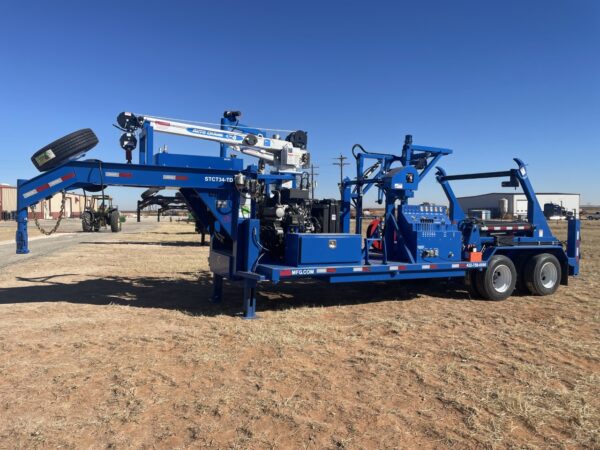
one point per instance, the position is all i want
(45, 209)
(514, 204)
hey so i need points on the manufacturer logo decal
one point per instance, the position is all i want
(303, 271)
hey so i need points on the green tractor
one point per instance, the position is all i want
(100, 212)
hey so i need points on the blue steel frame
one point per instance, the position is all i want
(536, 238)
(207, 185)
(353, 191)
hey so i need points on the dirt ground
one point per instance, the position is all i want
(114, 344)
(8, 229)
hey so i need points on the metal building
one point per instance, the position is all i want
(514, 204)
(46, 209)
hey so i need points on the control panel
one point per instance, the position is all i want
(428, 233)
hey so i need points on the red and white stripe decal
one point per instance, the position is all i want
(48, 185)
(119, 174)
(394, 268)
(505, 228)
(175, 177)
(294, 272)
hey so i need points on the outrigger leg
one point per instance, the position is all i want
(22, 238)
(249, 299)
(217, 295)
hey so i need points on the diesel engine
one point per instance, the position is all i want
(291, 211)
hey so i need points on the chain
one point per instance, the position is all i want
(61, 215)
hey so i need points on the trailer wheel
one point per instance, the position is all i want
(86, 221)
(67, 147)
(471, 284)
(114, 221)
(542, 274)
(498, 280)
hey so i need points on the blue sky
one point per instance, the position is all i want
(491, 80)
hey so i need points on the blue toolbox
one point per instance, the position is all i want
(325, 248)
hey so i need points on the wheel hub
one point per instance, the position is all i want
(548, 275)
(501, 278)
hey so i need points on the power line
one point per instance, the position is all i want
(341, 163)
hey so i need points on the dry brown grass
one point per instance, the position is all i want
(128, 353)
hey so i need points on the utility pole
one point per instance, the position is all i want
(341, 163)
(312, 181)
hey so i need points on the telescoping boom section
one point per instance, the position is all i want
(264, 226)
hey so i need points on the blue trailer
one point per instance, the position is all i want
(282, 235)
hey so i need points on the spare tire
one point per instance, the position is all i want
(94, 188)
(63, 149)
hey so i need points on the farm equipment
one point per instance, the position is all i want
(264, 227)
(165, 203)
(100, 212)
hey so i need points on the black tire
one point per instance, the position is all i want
(542, 274)
(471, 284)
(67, 147)
(497, 282)
(87, 221)
(94, 188)
(519, 262)
(114, 221)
